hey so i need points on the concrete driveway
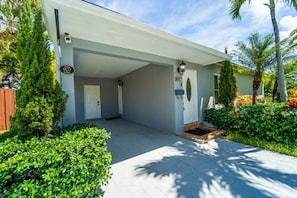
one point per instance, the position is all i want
(152, 164)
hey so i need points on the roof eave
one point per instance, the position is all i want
(178, 48)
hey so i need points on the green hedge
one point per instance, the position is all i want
(72, 163)
(223, 118)
(271, 122)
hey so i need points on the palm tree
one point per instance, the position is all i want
(257, 54)
(235, 12)
(287, 47)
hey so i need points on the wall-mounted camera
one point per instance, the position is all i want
(67, 38)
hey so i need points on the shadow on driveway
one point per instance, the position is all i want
(226, 169)
(148, 163)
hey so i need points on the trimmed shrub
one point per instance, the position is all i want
(227, 86)
(73, 163)
(223, 118)
(38, 116)
(272, 122)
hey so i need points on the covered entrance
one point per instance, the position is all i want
(109, 85)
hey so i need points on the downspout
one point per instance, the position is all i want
(59, 47)
(58, 38)
(57, 25)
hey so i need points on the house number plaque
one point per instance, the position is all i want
(66, 69)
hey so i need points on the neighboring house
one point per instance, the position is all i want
(244, 81)
(127, 68)
(244, 77)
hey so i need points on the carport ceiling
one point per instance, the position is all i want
(91, 64)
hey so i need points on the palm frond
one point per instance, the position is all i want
(292, 40)
(291, 3)
(235, 8)
(293, 76)
(257, 53)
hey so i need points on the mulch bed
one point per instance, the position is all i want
(199, 132)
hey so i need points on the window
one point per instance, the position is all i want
(189, 89)
(216, 88)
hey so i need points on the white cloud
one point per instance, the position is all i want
(219, 31)
(128, 8)
(103, 3)
(287, 23)
(190, 16)
(206, 22)
(255, 18)
(260, 12)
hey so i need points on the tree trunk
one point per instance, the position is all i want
(274, 92)
(256, 84)
(280, 67)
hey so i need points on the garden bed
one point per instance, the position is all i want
(199, 132)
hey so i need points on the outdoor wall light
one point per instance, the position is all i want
(120, 83)
(181, 68)
(67, 38)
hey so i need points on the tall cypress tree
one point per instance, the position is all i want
(227, 85)
(24, 33)
(40, 101)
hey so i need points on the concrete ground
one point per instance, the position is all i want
(152, 164)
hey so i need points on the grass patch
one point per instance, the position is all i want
(275, 147)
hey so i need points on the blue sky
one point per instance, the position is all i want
(206, 22)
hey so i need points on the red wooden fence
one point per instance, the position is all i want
(7, 107)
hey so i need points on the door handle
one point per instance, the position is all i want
(98, 103)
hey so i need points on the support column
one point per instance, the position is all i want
(179, 103)
(67, 82)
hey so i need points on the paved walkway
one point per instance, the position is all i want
(151, 164)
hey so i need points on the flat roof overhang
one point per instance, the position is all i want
(86, 21)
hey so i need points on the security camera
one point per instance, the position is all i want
(67, 38)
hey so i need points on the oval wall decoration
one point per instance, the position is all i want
(189, 90)
(67, 69)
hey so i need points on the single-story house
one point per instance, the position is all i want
(111, 65)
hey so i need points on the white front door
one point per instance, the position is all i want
(191, 96)
(92, 101)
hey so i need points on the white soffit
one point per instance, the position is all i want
(90, 64)
(93, 23)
